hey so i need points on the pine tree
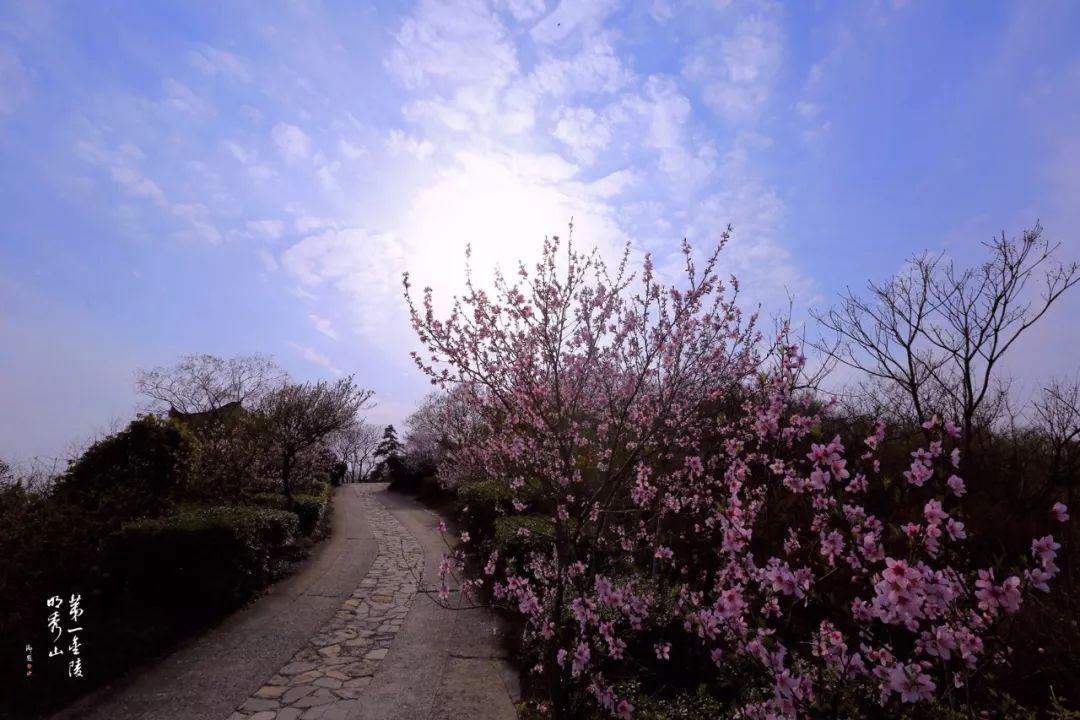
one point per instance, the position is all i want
(390, 465)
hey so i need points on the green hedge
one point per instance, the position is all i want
(308, 508)
(482, 503)
(515, 548)
(211, 556)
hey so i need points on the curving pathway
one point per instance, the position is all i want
(351, 636)
(341, 659)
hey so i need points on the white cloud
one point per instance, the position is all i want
(291, 142)
(351, 151)
(348, 257)
(297, 291)
(737, 70)
(661, 10)
(462, 42)
(183, 99)
(583, 131)
(807, 110)
(14, 82)
(131, 179)
(266, 229)
(327, 174)
(218, 62)
(324, 326)
(197, 216)
(242, 156)
(306, 224)
(314, 356)
(594, 69)
(613, 184)
(526, 10)
(460, 55)
(397, 142)
(666, 113)
(123, 165)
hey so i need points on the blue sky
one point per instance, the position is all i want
(254, 176)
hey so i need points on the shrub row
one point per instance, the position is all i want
(309, 509)
(207, 556)
(481, 504)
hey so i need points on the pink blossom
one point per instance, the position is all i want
(581, 659)
(897, 572)
(911, 682)
(956, 484)
(918, 474)
(952, 428)
(832, 545)
(1060, 512)
(955, 528)
(1045, 549)
(933, 513)
(624, 710)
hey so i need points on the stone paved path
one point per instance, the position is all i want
(336, 665)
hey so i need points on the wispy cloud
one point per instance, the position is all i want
(397, 142)
(317, 358)
(215, 62)
(181, 98)
(266, 229)
(324, 326)
(292, 143)
(737, 69)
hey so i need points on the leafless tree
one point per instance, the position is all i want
(356, 444)
(297, 417)
(1057, 416)
(200, 383)
(443, 424)
(937, 333)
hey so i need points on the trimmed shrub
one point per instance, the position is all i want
(518, 536)
(208, 556)
(482, 503)
(309, 509)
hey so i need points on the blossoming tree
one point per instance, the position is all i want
(701, 526)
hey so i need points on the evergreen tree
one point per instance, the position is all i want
(391, 465)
